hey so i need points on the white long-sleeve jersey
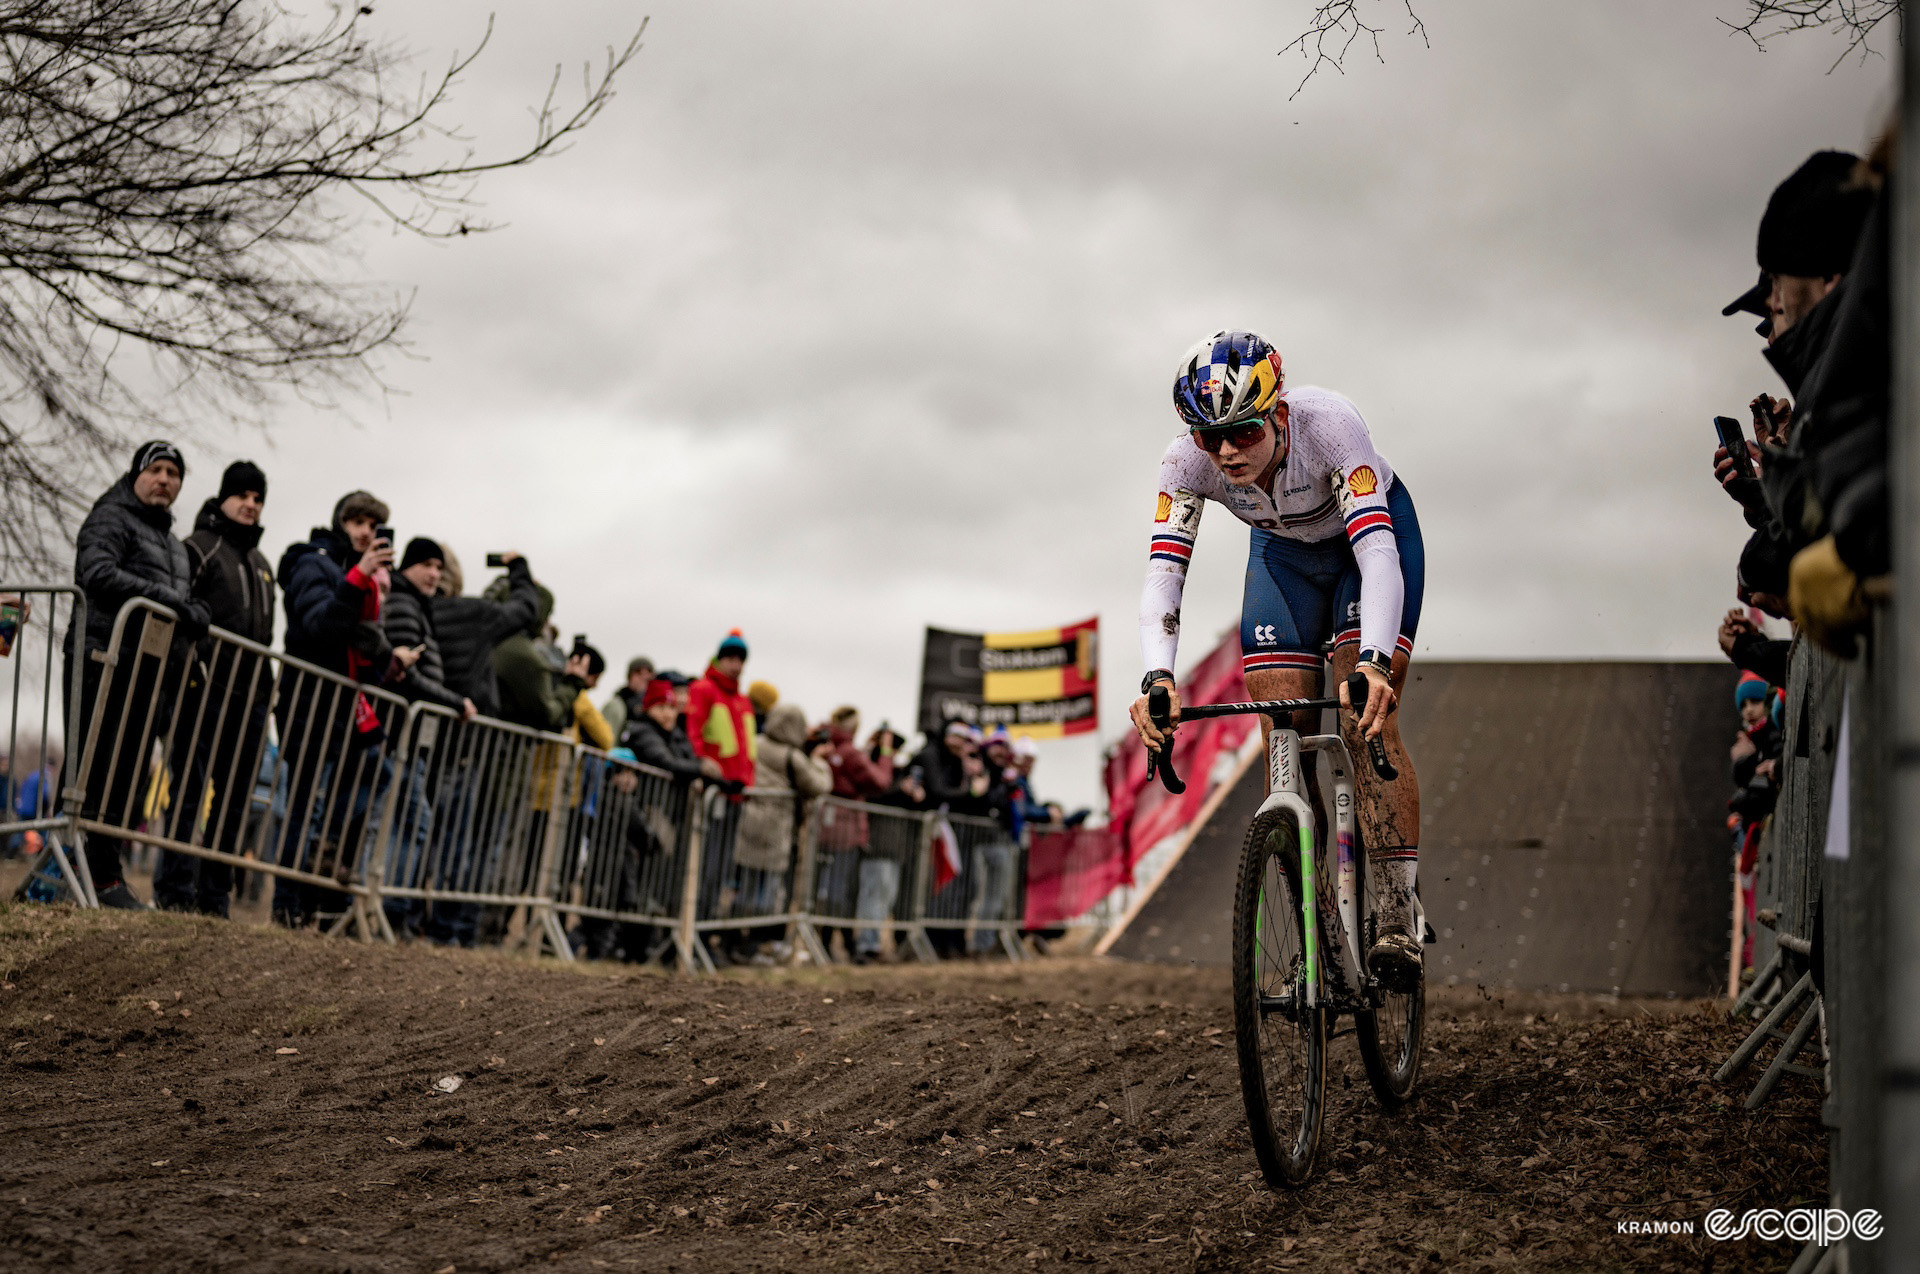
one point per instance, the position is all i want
(1333, 482)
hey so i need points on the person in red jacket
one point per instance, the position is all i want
(720, 718)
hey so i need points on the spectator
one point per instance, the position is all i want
(228, 695)
(720, 718)
(762, 695)
(1751, 650)
(125, 549)
(331, 736)
(409, 624)
(587, 725)
(1807, 241)
(624, 705)
(531, 694)
(788, 778)
(658, 739)
(1756, 760)
(857, 857)
(471, 628)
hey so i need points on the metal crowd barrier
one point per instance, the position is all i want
(622, 856)
(473, 842)
(400, 820)
(174, 739)
(867, 860)
(43, 712)
(1787, 886)
(978, 906)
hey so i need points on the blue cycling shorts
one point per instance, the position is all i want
(1300, 596)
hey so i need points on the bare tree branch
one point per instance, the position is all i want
(1332, 32)
(1855, 19)
(170, 182)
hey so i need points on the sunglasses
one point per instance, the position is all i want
(1242, 436)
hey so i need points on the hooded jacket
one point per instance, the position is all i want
(720, 723)
(231, 575)
(469, 628)
(531, 693)
(125, 549)
(786, 781)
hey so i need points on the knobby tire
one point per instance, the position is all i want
(1283, 1055)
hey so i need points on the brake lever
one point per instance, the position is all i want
(1357, 692)
(1160, 760)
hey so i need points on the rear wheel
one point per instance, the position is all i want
(1282, 1042)
(1391, 1036)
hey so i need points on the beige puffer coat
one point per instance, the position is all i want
(767, 825)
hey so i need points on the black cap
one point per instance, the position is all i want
(242, 476)
(1814, 218)
(420, 549)
(1812, 222)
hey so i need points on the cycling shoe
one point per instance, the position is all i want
(1395, 960)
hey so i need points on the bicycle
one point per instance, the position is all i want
(1291, 984)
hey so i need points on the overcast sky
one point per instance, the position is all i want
(846, 319)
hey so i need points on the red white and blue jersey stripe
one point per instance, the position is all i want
(1333, 483)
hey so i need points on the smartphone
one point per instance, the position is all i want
(384, 533)
(1734, 439)
(496, 561)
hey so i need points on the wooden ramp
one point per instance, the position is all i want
(1573, 831)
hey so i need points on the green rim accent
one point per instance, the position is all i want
(1309, 927)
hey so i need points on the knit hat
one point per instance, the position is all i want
(154, 451)
(732, 644)
(659, 690)
(1752, 689)
(359, 504)
(1812, 222)
(640, 663)
(242, 476)
(421, 549)
(761, 694)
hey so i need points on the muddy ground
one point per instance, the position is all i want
(184, 1094)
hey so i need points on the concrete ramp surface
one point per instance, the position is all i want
(1573, 830)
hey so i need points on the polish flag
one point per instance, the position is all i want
(946, 854)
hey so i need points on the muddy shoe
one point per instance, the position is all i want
(1395, 960)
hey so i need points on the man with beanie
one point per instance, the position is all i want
(407, 618)
(126, 549)
(719, 718)
(224, 720)
(333, 584)
(1806, 243)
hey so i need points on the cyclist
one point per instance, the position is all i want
(1335, 555)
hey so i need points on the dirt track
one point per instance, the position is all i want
(157, 1116)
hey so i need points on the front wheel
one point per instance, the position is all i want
(1282, 1042)
(1390, 1038)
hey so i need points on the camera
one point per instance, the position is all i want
(496, 560)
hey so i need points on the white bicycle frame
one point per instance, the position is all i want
(1288, 754)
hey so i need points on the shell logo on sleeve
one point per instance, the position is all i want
(1362, 481)
(1164, 508)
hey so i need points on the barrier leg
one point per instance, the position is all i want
(1751, 1045)
(1757, 990)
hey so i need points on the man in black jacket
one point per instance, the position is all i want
(126, 549)
(469, 628)
(223, 721)
(407, 617)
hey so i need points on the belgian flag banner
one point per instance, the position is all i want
(1044, 683)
